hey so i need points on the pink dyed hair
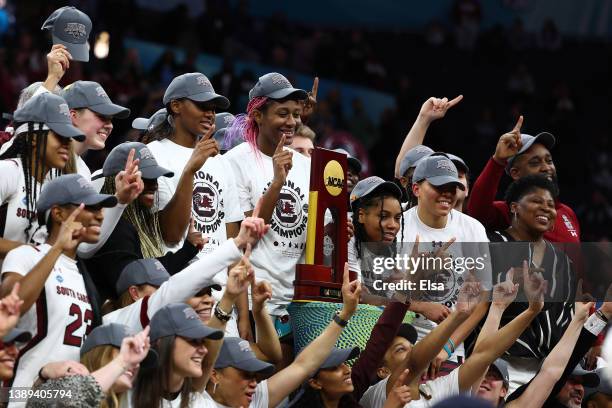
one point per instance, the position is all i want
(245, 127)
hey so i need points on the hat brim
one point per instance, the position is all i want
(439, 181)
(589, 378)
(220, 101)
(154, 172)
(79, 52)
(110, 109)
(544, 138)
(339, 356)
(460, 164)
(200, 331)
(408, 332)
(140, 123)
(255, 366)
(354, 163)
(294, 93)
(17, 335)
(66, 130)
(105, 200)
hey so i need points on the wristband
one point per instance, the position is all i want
(340, 321)
(602, 316)
(448, 351)
(222, 315)
(452, 344)
(594, 324)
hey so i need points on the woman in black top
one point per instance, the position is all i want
(137, 234)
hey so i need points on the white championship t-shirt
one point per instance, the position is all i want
(471, 243)
(440, 389)
(215, 199)
(13, 211)
(58, 321)
(275, 256)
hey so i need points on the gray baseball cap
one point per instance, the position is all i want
(17, 335)
(276, 86)
(112, 334)
(222, 122)
(117, 158)
(147, 124)
(459, 163)
(412, 156)
(179, 319)
(70, 27)
(91, 95)
(53, 111)
(71, 189)
(339, 356)
(142, 271)
(605, 386)
(372, 183)
(438, 170)
(545, 138)
(196, 87)
(237, 353)
(589, 378)
(353, 162)
(502, 368)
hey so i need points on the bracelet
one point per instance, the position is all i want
(221, 314)
(40, 375)
(602, 316)
(448, 351)
(452, 344)
(340, 321)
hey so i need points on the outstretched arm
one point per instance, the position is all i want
(432, 109)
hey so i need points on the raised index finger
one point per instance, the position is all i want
(130, 160)
(281, 144)
(315, 88)
(257, 209)
(455, 101)
(15, 290)
(448, 244)
(75, 213)
(519, 124)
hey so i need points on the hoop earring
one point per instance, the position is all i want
(515, 216)
(170, 120)
(215, 387)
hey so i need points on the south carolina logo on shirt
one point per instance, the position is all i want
(207, 206)
(289, 218)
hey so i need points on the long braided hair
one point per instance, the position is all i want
(145, 221)
(163, 130)
(23, 149)
(375, 199)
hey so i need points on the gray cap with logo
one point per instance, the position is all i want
(459, 163)
(438, 170)
(195, 87)
(369, 184)
(339, 356)
(117, 158)
(53, 111)
(147, 124)
(412, 156)
(70, 27)
(142, 271)
(71, 189)
(276, 86)
(589, 378)
(179, 319)
(502, 367)
(91, 95)
(237, 353)
(545, 138)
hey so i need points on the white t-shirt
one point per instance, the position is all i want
(215, 199)
(260, 398)
(275, 256)
(58, 321)
(440, 389)
(13, 211)
(471, 242)
(363, 266)
(195, 401)
(82, 169)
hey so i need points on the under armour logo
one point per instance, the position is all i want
(244, 346)
(190, 314)
(228, 120)
(83, 183)
(203, 81)
(101, 93)
(145, 153)
(158, 265)
(76, 30)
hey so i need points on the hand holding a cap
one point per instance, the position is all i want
(509, 143)
(129, 182)
(282, 161)
(204, 148)
(436, 108)
(58, 62)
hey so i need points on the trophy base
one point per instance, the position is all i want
(316, 283)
